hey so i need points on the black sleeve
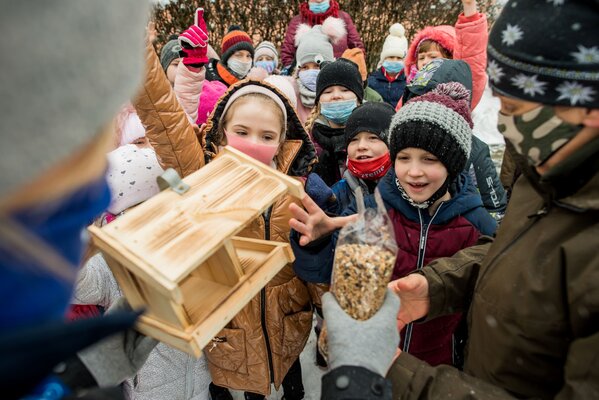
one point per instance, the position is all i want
(490, 187)
(353, 383)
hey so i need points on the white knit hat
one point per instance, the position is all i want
(131, 176)
(396, 43)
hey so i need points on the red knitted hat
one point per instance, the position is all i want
(233, 41)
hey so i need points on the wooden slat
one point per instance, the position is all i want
(224, 265)
(126, 282)
(249, 287)
(166, 334)
(294, 187)
(212, 318)
(202, 297)
(131, 262)
(163, 308)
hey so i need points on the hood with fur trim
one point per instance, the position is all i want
(304, 158)
(442, 34)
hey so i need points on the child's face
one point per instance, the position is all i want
(265, 57)
(309, 65)
(255, 122)
(337, 93)
(366, 145)
(242, 55)
(426, 56)
(419, 172)
(394, 58)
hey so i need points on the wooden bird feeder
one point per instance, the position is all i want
(177, 256)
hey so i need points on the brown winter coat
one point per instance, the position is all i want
(533, 296)
(280, 317)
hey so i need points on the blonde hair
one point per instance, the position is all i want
(314, 114)
(245, 99)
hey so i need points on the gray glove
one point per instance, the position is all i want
(371, 344)
(119, 356)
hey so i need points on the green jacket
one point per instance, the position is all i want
(372, 95)
(532, 297)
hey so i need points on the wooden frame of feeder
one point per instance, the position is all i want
(177, 255)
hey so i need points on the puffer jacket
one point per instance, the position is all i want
(391, 92)
(421, 238)
(352, 40)
(188, 86)
(532, 296)
(168, 128)
(267, 336)
(467, 41)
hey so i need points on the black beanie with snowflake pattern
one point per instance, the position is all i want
(546, 52)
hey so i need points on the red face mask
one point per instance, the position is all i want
(371, 169)
(264, 153)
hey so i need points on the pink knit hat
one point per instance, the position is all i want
(211, 92)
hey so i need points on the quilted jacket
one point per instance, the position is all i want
(265, 337)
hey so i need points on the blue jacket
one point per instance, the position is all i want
(314, 262)
(344, 192)
(391, 92)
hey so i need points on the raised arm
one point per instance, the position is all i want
(472, 36)
(167, 126)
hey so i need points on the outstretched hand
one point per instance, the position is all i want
(415, 302)
(312, 223)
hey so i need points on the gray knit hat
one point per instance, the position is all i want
(169, 52)
(439, 122)
(54, 102)
(268, 48)
(313, 45)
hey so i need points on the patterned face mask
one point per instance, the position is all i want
(537, 134)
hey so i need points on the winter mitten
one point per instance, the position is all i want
(371, 344)
(319, 191)
(120, 356)
(194, 42)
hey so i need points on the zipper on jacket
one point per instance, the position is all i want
(419, 264)
(266, 217)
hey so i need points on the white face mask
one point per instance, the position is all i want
(240, 68)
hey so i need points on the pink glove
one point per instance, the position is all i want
(194, 41)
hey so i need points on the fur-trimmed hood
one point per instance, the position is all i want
(443, 34)
(298, 155)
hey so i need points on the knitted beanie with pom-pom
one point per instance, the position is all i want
(439, 122)
(315, 44)
(396, 44)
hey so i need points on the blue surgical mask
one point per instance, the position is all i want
(34, 294)
(338, 111)
(269, 66)
(393, 67)
(308, 78)
(319, 8)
